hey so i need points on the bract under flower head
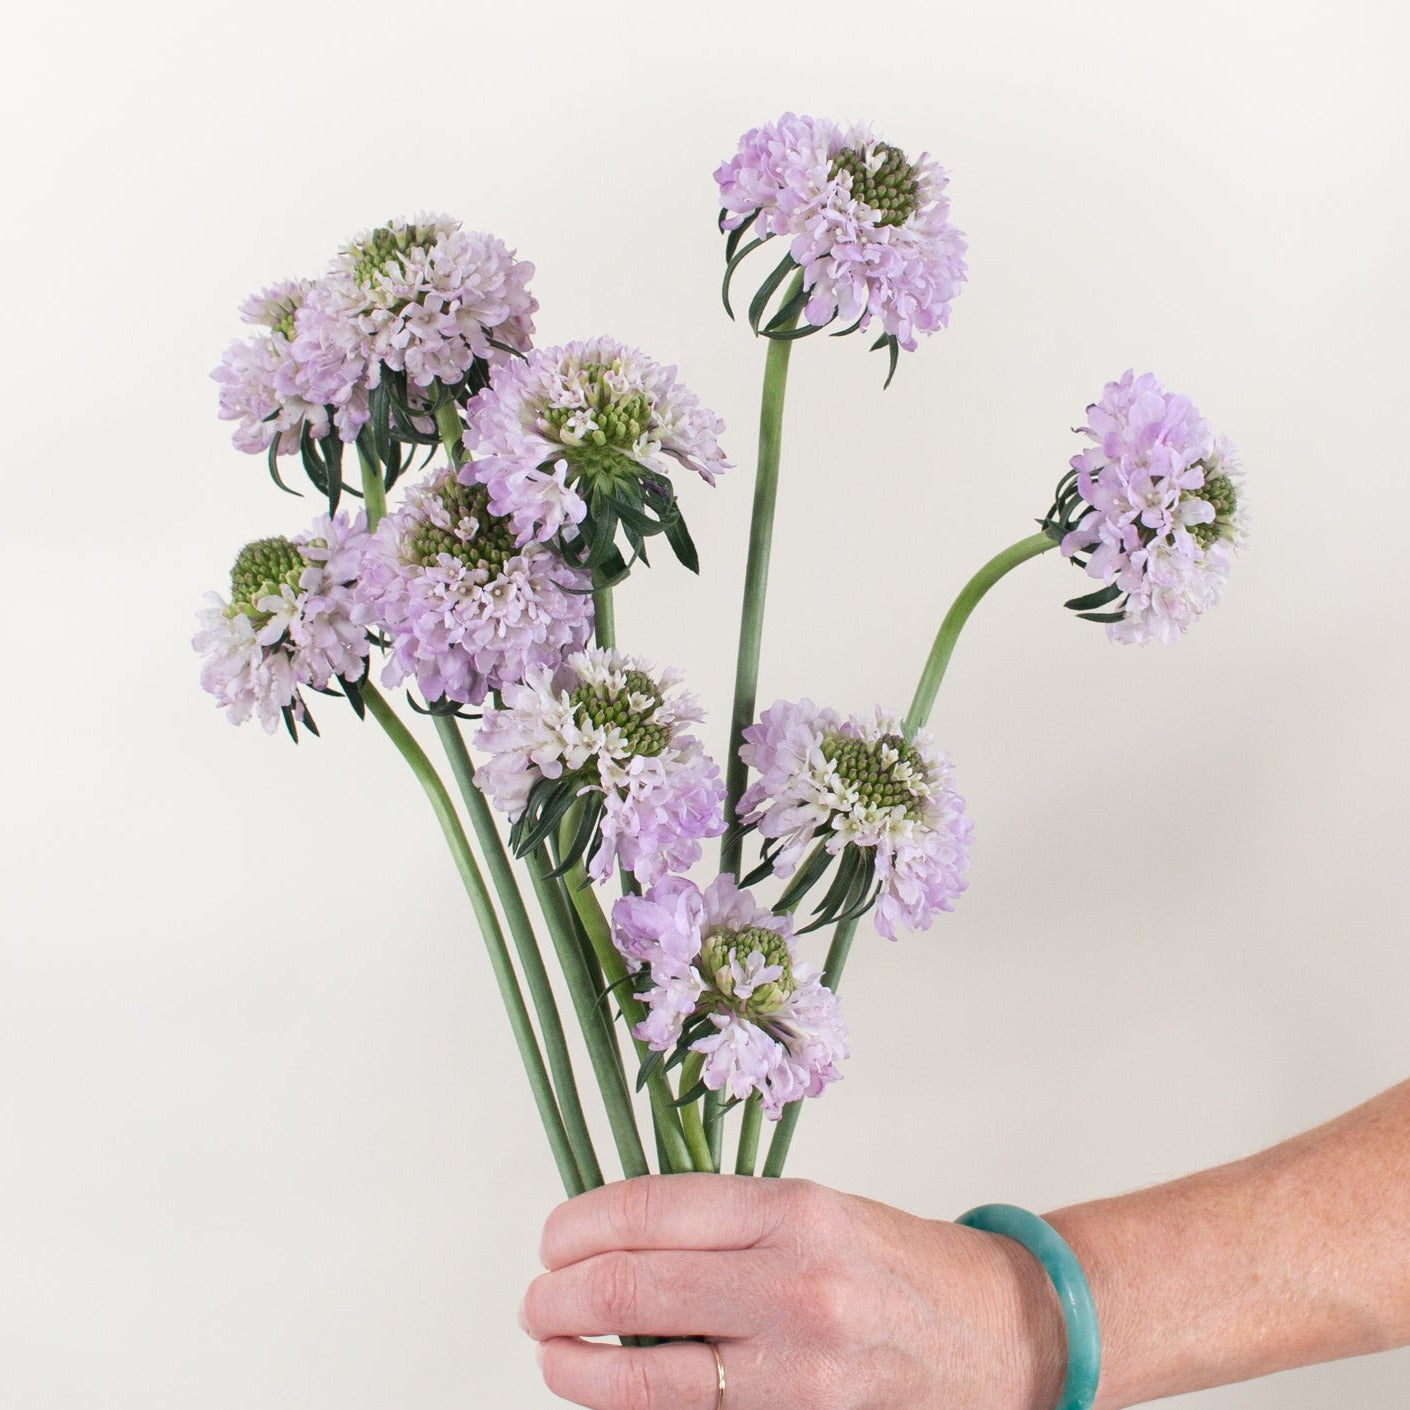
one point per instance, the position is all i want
(1152, 509)
(720, 976)
(861, 791)
(578, 441)
(467, 610)
(289, 623)
(868, 227)
(606, 734)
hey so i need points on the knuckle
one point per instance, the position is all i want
(632, 1388)
(614, 1289)
(630, 1210)
(826, 1300)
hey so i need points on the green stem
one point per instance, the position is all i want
(480, 901)
(450, 429)
(749, 1136)
(526, 943)
(614, 973)
(715, 1127)
(604, 617)
(756, 580)
(594, 1017)
(695, 1136)
(958, 615)
(374, 489)
(833, 966)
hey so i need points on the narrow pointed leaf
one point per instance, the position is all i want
(1092, 600)
(766, 291)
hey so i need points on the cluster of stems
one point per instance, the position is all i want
(686, 1134)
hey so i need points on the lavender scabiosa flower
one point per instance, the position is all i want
(721, 977)
(576, 441)
(408, 316)
(857, 789)
(288, 624)
(607, 735)
(467, 611)
(1152, 509)
(868, 228)
(425, 301)
(259, 377)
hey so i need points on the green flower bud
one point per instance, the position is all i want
(881, 784)
(260, 570)
(720, 948)
(889, 187)
(598, 705)
(492, 546)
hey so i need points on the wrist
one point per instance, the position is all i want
(1026, 1324)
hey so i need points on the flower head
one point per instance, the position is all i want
(289, 623)
(868, 227)
(866, 794)
(605, 733)
(258, 376)
(720, 976)
(575, 441)
(425, 299)
(1152, 509)
(466, 609)
(406, 315)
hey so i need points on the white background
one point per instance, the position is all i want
(262, 1138)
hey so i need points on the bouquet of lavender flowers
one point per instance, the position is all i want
(484, 586)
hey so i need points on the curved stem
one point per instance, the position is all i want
(480, 902)
(526, 943)
(756, 580)
(833, 966)
(958, 615)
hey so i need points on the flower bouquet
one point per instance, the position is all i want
(508, 491)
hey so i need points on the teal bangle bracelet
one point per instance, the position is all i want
(1079, 1312)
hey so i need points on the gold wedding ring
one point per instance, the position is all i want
(720, 1375)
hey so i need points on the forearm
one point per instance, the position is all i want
(1296, 1255)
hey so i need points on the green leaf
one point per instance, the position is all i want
(789, 310)
(274, 469)
(678, 536)
(734, 264)
(732, 237)
(1094, 599)
(649, 1068)
(890, 342)
(354, 694)
(695, 1093)
(766, 290)
(313, 466)
(379, 416)
(1102, 616)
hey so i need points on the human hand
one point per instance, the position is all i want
(817, 1300)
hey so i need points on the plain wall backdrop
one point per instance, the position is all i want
(263, 1139)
